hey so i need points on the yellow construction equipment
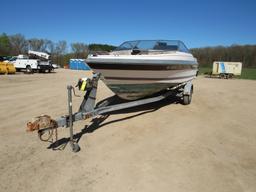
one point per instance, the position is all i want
(7, 68)
(3, 69)
(10, 68)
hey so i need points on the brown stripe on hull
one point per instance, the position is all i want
(143, 78)
(156, 67)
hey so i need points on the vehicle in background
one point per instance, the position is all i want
(226, 69)
(6, 67)
(35, 61)
(55, 66)
(6, 58)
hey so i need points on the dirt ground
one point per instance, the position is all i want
(207, 146)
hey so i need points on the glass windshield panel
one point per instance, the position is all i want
(127, 45)
(182, 47)
(13, 59)
(157, 45)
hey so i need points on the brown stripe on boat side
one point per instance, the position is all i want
(143, 78)
(156, 67)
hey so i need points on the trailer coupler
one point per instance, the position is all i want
(47, 127)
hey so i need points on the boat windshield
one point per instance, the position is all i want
(154, 45)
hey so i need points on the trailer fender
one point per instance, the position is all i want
(187, 88)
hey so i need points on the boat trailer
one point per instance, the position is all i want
(45, 124)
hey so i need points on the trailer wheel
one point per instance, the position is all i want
(75, 147)
(28, 69)
(188, 98)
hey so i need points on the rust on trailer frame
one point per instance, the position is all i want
(41, 122)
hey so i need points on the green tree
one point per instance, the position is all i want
(101, 47)
(19, 44)
(4, 44)
(80, 50)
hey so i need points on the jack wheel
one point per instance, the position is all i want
(75, 147)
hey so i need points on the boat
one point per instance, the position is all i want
(141, 68)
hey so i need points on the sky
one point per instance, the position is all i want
(198, 23)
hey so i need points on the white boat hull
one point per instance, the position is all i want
(132, 85)
(135, 77)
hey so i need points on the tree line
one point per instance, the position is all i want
(237, 53)
(61, 52)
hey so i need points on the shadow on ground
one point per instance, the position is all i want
(98, 122)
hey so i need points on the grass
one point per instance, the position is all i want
(247, 73)
(203, 70)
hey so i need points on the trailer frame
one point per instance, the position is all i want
(88, 109)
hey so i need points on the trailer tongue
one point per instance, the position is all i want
(45, 125)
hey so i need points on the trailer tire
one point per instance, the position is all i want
(188, 98)
(28, 69)
(75, 147)
(48, 71)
